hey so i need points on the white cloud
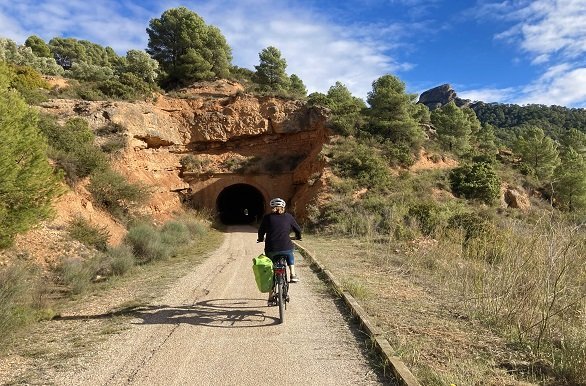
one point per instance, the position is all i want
(555, 27)
(552, 33)
(118, 24)
(489, 94)
(541, 59)
(318, 47)
(560, 85)
(541, 27)
(319, 50)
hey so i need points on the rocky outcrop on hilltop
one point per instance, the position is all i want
(441, 95)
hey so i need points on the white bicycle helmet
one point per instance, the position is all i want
(277, 202)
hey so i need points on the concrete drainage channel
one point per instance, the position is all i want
(400, 371)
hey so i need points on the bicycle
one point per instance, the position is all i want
(280, 285)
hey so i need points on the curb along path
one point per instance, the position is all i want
(399, 369)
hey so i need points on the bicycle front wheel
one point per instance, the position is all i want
(281, 301)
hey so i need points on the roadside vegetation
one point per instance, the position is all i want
(514, 268)
(519, 272)
(28, 295)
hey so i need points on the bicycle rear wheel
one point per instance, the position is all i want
(281, 301)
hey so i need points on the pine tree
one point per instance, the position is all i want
(539, 153)
(346, 109)
(454, 127)
(574, 139)
(485, 141)
(270, 74)
(569, 187)
(27, 182)
(186, 48)
(392, 113)
(38, 45)
(296, 87)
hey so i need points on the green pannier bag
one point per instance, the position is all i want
(262, 267)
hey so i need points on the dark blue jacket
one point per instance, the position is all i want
(277, 228)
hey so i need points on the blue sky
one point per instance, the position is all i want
(513, 51)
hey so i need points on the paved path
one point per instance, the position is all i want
(214, 328)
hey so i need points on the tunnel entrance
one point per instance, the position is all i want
(240, 204)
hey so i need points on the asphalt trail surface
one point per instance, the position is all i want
(213, 327)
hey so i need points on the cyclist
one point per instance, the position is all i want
(277, 226)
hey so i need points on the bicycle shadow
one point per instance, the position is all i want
(218, 313)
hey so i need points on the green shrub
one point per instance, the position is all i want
(90, 72)
(85, 90)
(122, 259)
(88, 92)
(427, 216)
(88, 159)
(30, 84)
(472, 224)
(114, 193)
(67, 163)
(114, 137)
(76, 132)
(28, 78)
(476, 181)
(234, 164)
(174, 233)
(72, 148)
(194, 164)
(111, 128)
(398, 154)
(196, 221)
(115, 89)
(89, 234)
(79, 163)
(351, 159)
(138, 86)
(77, 274)
(150, 243)
(146, 243)
(20, 296)
(114, 144)
(127, 86)
(368, 217)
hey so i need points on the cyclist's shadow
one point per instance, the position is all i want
(222, 313)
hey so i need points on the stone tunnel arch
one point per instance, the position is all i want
(240, 203)
(210, 191)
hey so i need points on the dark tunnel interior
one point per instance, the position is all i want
(240, 204)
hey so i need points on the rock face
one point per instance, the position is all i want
(515, 199)
(216, 122)
(206, 113)
(441, 95)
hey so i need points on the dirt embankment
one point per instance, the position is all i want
(48, 242)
